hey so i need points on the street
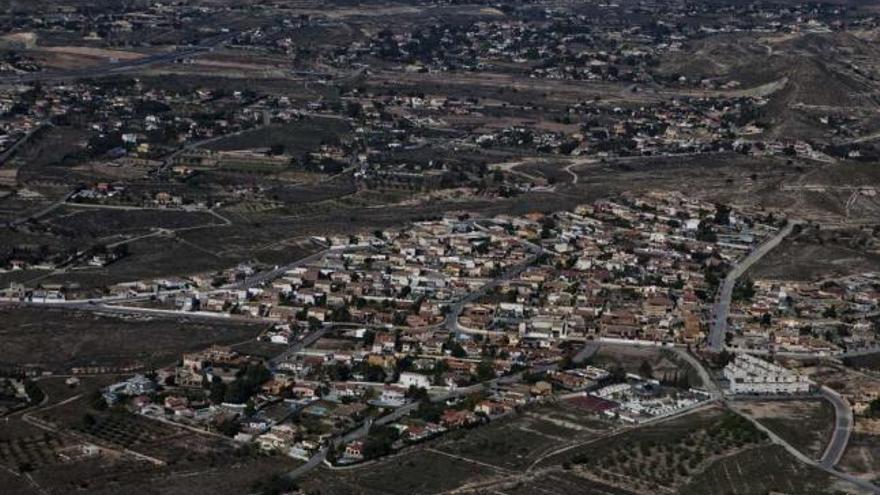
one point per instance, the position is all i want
(721, 308)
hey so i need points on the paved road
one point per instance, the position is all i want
(122, 66)
(861, 483)
(306, 341)
(451, 323)
(364, 429)
(859, 352)
(843, 423)
(263, 277)
(721, 308)
(21, 142)
(843, 426)
(708, 383)
(41, 213)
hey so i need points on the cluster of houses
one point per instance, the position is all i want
(638, 400)
(300, 406)
(636, 269)
(13, 394)
(747, 374)
(819, 317)
(445, 308)
(605, 43)
(402, 279)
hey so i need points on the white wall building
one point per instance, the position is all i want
(418, 380)
(748, 374)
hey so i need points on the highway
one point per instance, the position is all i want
(721, 308)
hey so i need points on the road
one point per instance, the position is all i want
(122, 66)
(41, 213)
(364, 429)
(451, 323)
(861, 483)
(306, 341)
(843, 423)
(721, 308)
(263, 277)
(843, 426)
(859, 352)
(708, 383)
(21, 142)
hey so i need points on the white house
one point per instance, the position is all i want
(408, 379)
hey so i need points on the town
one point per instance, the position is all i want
(434, 247)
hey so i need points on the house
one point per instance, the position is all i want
(452, 418)
(408, 379)
(355, 450)
(392, 396)
(491, 408)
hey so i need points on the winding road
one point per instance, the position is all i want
(861, 483)
(843, 426)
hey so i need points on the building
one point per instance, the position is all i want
(748, 374)
(417, 380)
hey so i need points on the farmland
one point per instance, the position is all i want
(805, 424)
(70, 339)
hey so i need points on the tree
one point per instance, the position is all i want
(228, 426)
(744, 290)
(724, 358)
(217, 391)
(374, 373)
(455, 349)
(618, 374)
(314, 323)
(722, 214)
(275, 485)
(341, 314)
(380, 442)
(236, 393)
(830, 312)
(646, 370)
(485, 371)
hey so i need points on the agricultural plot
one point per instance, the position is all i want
(58, 339)
(296, 137)
(664, 363)
(807, 425)
(421, 472)
(31, 452)
(766, 469)
(862, 455)
(563, 482)
(553, 173)
(494, 454)
(127, 430)
(102, 222)
(639, 460)
(518, 441)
